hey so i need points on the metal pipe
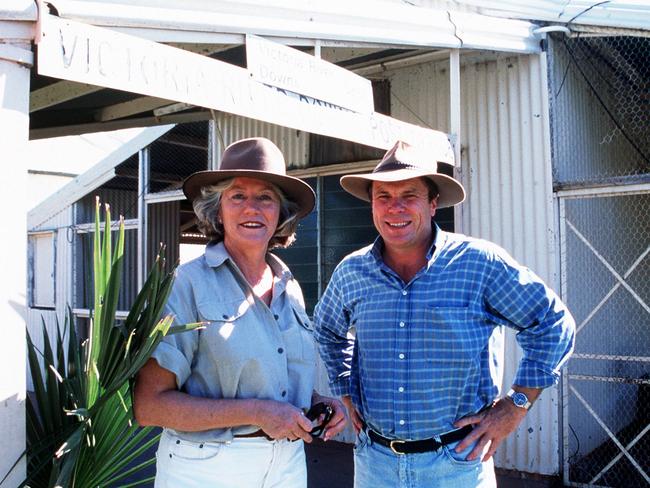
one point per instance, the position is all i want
(455, 124)
(552, 28)
(143, 188)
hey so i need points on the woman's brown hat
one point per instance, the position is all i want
(259, 158)
(403, 162)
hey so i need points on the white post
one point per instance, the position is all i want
(455, 126)
(16, 60)
(143, 216)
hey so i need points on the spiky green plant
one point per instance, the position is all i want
(80, 430)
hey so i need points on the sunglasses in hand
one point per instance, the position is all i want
(315, 412)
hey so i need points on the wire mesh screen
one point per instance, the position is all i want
(600, 108)
(600, 126)
(607, 256)
(176, 155)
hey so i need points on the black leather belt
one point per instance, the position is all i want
(257, 433)
(399, 446)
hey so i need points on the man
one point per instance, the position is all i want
(420, 372)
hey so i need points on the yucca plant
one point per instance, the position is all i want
(80, 430)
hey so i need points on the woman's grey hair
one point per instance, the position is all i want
(206, 208)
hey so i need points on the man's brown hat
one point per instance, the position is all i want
(259, 158)
(403, 162)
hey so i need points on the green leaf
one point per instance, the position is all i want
(81, 432)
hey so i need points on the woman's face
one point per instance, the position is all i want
(249, 211)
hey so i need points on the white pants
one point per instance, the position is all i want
(249, 462)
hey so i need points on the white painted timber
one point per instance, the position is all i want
(75, 51)
(59, 92)
(14, 127)
(132, 107)
(284, 67)
(101, 172)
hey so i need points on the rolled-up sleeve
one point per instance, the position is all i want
(176, 352)
(331, 326)
(518, 298)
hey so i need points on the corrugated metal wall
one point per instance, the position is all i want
(506, 170)
(122, 202)
(163, 227)
(63, 282)
(294, 144)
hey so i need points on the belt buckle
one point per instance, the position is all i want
(393, 443)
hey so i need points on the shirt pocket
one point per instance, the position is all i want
(456, 334)
(226, 335)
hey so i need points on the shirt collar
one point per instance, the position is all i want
(438, 243)
(216, 254)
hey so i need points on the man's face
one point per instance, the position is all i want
(402, 212)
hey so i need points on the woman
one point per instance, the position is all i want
(231, 396)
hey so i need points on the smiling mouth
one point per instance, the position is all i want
(397, 225)
(252, 225)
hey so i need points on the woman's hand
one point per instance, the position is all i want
(280, 420)
(357, 423)
(339, 417)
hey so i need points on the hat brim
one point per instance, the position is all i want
(294, 188)
(451, 192)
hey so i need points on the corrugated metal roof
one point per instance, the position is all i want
(627, 14)
(18, 10)
(336, 21)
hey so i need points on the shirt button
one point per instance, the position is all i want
(276, 316)
(402, 324)
(280, 350)
(401, 356)
(401, 422)
(401, 389)
(404, 292)
(284, 393)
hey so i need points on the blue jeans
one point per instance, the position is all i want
(377, 466)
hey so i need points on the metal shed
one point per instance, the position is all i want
(487, 81)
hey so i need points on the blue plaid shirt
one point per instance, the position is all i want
(429, 351)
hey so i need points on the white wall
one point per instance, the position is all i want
(42, 186)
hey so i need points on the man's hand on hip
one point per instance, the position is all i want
(490, 427)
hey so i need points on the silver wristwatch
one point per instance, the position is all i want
(519, 399)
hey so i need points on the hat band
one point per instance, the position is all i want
(396, 166)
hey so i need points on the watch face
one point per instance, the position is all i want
(519, 399)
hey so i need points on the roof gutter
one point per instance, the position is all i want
(335, 23)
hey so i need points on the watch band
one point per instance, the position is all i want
(519, 399)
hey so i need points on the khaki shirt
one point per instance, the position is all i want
(247, 350)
